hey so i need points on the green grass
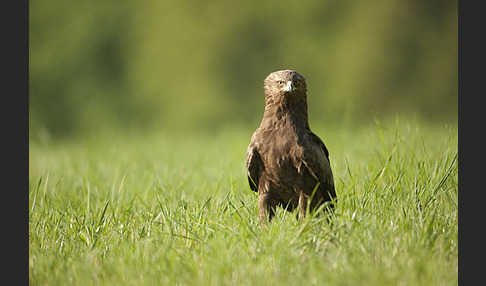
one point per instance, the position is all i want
(177, 210)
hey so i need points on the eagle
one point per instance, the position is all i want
(287, 164)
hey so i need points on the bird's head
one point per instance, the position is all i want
(287, 84)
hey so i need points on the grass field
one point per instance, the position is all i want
(177, 210)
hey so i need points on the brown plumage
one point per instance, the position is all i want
(286, 162)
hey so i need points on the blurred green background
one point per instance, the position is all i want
(150, 66)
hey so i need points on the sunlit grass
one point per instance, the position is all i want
(177, 210)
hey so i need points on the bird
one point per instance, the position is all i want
(287, 164)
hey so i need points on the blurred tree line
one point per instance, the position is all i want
(154, 65)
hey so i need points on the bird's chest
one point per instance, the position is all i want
(283, 153)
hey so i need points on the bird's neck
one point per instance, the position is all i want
(282, 113)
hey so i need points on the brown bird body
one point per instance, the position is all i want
(287, 163)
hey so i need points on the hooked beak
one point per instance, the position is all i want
(289, 86)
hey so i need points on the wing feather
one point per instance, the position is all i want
(317, 166)
(253, 166)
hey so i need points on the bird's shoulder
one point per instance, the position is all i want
(265, 138)
(255, 141)
(314, 142)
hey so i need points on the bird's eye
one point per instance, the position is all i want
(280, 82)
